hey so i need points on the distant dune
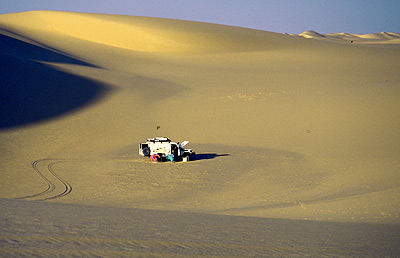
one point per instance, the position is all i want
(389, 38)
(299, 127)
(383, 36)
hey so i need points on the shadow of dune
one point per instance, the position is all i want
(23, 50)
(31, 91)
(204, 156)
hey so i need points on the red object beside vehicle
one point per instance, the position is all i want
(155, 157)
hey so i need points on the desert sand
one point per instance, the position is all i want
(297, 139)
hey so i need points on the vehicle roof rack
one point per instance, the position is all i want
(159, 139)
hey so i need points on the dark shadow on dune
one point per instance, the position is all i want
(204, 156)
(31, 91)
(19, 49)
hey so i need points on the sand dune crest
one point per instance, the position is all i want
(311, 34)
(372, 38)
(141, 33)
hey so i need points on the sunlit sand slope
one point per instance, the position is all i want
(285, 127)
(138, 33)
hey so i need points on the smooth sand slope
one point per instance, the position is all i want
(289, 127)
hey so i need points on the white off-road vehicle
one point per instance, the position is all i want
(165, 148)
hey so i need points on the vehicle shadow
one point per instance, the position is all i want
(205, 156)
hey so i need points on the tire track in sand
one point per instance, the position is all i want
(57, 187)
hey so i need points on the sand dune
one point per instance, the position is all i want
(138, 33)
(287, 127)
(383, 36)
(311, 34)
(372, 39)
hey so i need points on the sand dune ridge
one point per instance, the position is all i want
(371, 38)
(140, 33)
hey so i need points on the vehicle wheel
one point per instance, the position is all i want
(146, 151)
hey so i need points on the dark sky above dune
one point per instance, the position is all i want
(324, 16)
